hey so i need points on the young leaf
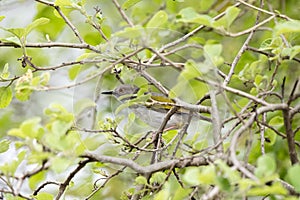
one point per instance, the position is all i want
(63, 3)
(74, 71)
(127, 4)
(158, 19)
(287, 27)
(130, 32)
(266, 166)
(295, 51)
(230, 15)
(189, 15)
(35, 24)
(5, 73)
(44, 196)
(141, 180)
(18, 32)
(5, 96)
(36, 179)
(213, 54)
(158, 177)
(4, 145)
(293, 175)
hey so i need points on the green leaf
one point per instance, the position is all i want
(293, 175)
(89, 55)
(213, 54)
(5, 96)
(14, 40)
(30, 128)
(55, 26)
(63, 3)
(4, 145)
(158, 177)
(36, 23)
(23, 94)
(10, 168)
(206, 4)
(213, 50)
(35, 179)
(191, 70)
(141, 180)
(38, 156)
(5, 73)
(178, 89)
(23, 86)
(263, 190)
(44, 78)
(130, 32)
(230, 15)
(60, 128)
(223, 183)
(74, 71)
(287, 27)
(59, 165)
(192, 176)
(162, 195)
(44, 196)
(58, 112)
(266, 166)
(158, 19)
(181, 193)
(169, 135)
(276, 122)
(207, 175)
(1, 18)
(295, 51)
(228, 172)
(18, 32)
(92, 143)
(129, 3)
(270, 136)
(258, 80)
(189, 15)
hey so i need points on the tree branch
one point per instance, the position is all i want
(146, 170)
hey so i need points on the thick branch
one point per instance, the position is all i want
(290, 136)
(178, 163)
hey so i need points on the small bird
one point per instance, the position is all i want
(154, 110)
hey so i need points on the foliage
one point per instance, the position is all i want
(230, 69)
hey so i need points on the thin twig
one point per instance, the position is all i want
(51, 45)
(123, 14)
(264, 11)
(64, 185)
(68, 22)
(242, 129)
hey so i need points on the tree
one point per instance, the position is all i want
(232, 66)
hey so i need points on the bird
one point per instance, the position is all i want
(152, 110)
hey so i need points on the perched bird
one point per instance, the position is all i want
(153, 110)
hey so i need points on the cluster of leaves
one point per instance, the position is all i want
(234, 63)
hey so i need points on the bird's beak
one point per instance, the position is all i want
(107, 92)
